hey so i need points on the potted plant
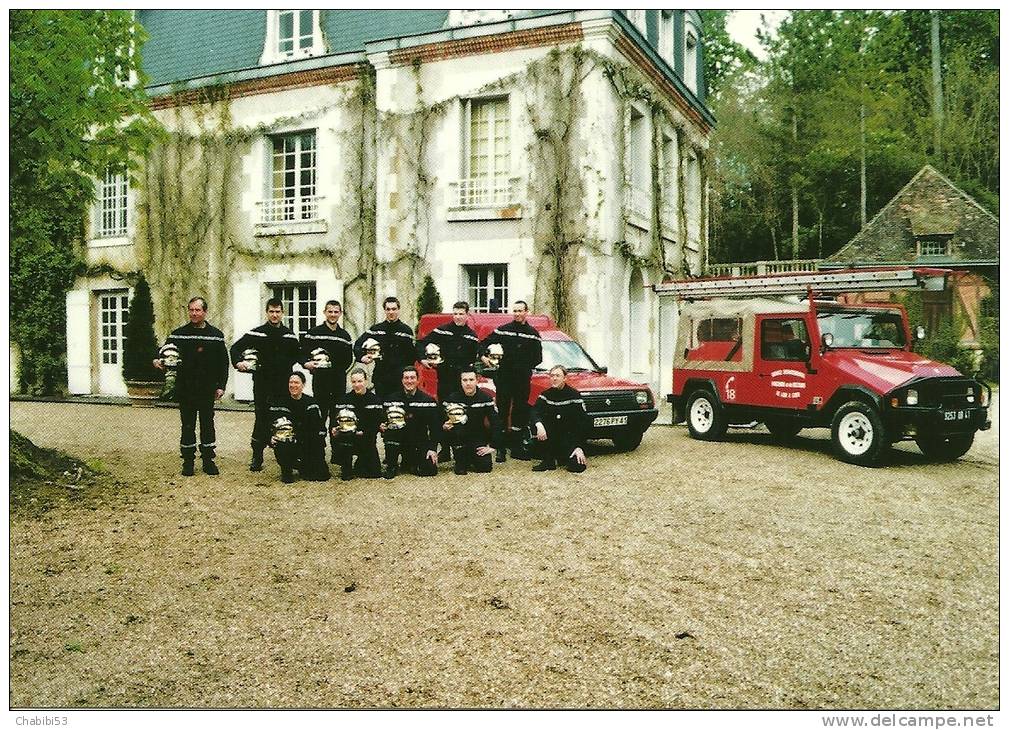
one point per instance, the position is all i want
(143, 380)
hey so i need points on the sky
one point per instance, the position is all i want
(742, 26)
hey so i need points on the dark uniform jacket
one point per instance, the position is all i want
(523, 349)
(337, 344)
(483, 423)
(203, 360)
(563, 415)
(304, 414)
(367, 408)
(459, 345)
(396, 340)
(278, 352)
(423, 419)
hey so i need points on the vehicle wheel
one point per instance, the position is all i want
(628, 441)
(705, 418)
(945, 448)
(783, 428)
(858, 435)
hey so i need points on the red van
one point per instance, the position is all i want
(804, 364)
(621, 410)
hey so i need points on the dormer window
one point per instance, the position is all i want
(933, 246)
(291, 34)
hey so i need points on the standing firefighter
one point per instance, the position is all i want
(327, 352)
(389, 345)
(196, 351)
(450, 348)
(561, 424)
(472, 426)
(268, 351)
(520, 351)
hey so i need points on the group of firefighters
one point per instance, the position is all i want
(465, 423)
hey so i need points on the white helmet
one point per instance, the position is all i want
(346, 420)
(395, 417)
(283, 430)
(321, 358)
(170, 356)
(495, 353)
(456, 413)
(433, 353)
(372, 347)
(251, 359)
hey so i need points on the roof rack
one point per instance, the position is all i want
(802, 284)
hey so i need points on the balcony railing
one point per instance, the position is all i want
(289, 210)
(482, 192)
(758, 268)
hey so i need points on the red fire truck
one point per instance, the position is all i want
(777, 350)
(621, 410)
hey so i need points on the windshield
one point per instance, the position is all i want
(567, 353)
(863, 329)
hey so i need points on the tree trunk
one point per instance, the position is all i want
(937, 103)
(795, 191)
(861, 196)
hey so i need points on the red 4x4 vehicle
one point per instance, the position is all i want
(794, 365)
(621, 410)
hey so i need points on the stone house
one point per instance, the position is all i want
(931, 222)
(553, 156)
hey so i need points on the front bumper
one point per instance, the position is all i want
(908, 421)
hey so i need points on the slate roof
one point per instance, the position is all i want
(929, 205)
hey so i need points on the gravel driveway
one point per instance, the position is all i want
(684, 574)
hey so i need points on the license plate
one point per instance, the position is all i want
(956, 415)
(609, 421)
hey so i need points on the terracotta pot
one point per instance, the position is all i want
(144, 394)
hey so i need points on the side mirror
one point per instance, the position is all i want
(920, 332)
(826, 341)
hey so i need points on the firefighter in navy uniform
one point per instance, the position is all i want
(327, 351)
(298, 433)
(353, 427)
(561, 424)
(457, 347)
(522, 351)
(196, 351)
(389, 345)
(268, 351)
(411, 430)
(472, 425)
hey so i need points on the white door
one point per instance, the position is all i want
(113, 308)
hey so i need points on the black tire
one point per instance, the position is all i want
(628, 440)
(783, 428)
(705, 417)
(944, 448)
(858, 435)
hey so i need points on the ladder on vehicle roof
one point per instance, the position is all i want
(801, 284)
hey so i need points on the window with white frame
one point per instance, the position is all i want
(637, 17)
(933, 246)
(293, 171)
(114, 308)
(670, 177)
(690, 59)
(666, 36)
(291, 34)
(486, 287)
(487, 154)
(299, 304)
(113, 204)
(639, 160)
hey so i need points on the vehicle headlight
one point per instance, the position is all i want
(641, 397)
(911, 398)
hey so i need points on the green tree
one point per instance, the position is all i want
(723, 56)
(428, 301)
(76, 107)
(140, 346)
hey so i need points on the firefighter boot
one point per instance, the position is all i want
(346, 468)
(188, 466)
(209, 467)
(461, 460)
(391, 461)
(287, 475)
(257, 459)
